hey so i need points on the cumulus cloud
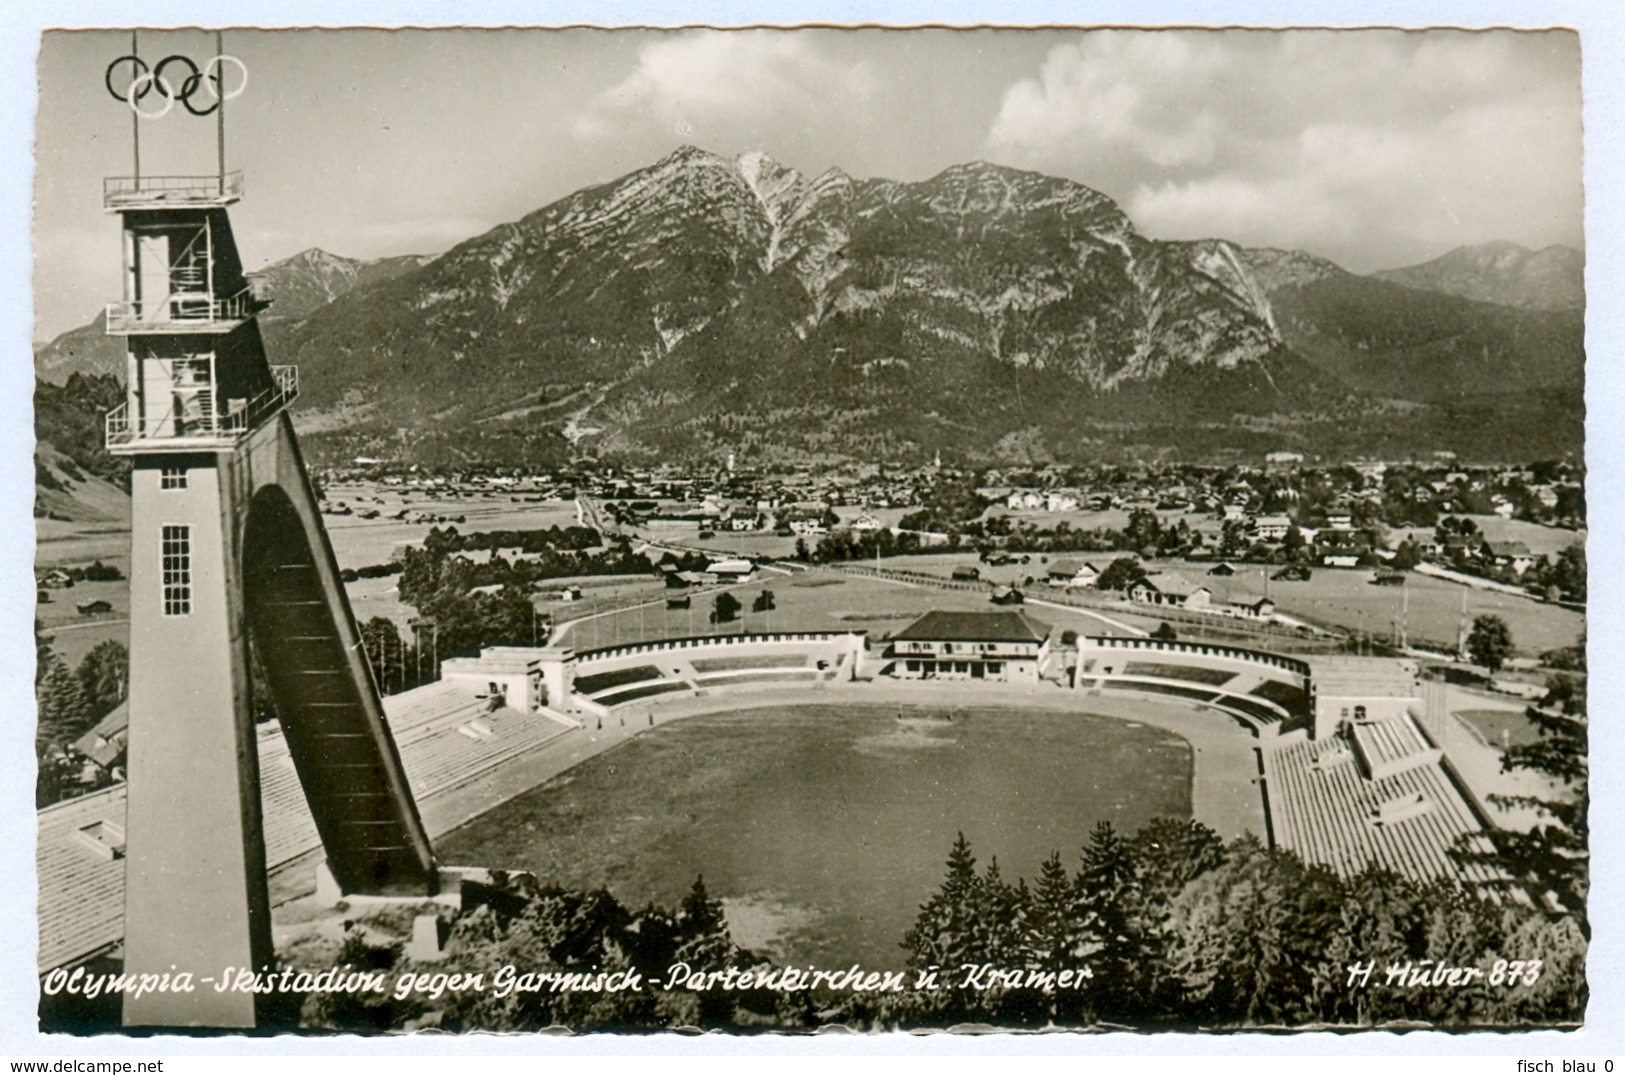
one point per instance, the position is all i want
(1371, 147)
(705, 85)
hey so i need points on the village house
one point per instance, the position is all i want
(56, 579)
(1025, 500)
(1171, 589)
(1508, 554)
(1072, 574)
(731, 570)
(1271, 527)
(1060, 502)
(1249, 606)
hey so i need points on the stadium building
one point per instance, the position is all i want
(998, 647)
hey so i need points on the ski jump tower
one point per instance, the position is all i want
(227, 549)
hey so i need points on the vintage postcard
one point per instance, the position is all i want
(772, 529)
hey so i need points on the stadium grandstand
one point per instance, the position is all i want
(1347, 769)
(447, 734)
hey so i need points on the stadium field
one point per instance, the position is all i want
(824, 827)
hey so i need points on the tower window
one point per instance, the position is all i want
(172, 478)
(177, 570)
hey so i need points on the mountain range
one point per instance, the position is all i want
(706, 303)
(1505, 273)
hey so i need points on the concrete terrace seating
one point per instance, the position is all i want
(705, 665)
(1257, 711)
(1255, 716)
(755, 676)
(1262, 690)
(289, 830)
(1155, 687)
(451, 758)
(602, 682)
(1323, 808)
(431, 727)
(1387, 746)
(81, 908)
(1293, 699)
(650, 690)
(79, 856)
(1216, 677)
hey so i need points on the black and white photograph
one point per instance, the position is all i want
(778, 529)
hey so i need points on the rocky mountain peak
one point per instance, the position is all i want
(1504, 273)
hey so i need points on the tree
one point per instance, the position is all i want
(1490, 642)
(726, 608)
(381, 640)
(1568, 572)
(1144, 529)
(42, 652)
(1107, 886)
(1120, 574)
(64, 711)
(105, 676)
(1553, 858)
(1165, 633)
(943, 932)
(1407, 556)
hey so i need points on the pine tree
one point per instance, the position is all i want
(105, 675)
(943, 934)
(1107, 887)
(1552, 860)
(64, 712)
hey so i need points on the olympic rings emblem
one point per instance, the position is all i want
(144, 80)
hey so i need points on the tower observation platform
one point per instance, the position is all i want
(171, 191)
(197, 375)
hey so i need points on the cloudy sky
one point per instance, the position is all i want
(1373, 148)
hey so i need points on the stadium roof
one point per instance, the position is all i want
(1003, 626)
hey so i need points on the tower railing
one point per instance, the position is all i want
(182, 311)
(131, 191)
(221, 429)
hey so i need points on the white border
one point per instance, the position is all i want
(1602, 33)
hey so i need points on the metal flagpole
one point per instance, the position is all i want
(135, 117)
(220, 109)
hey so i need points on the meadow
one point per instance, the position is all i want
(824, 827)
